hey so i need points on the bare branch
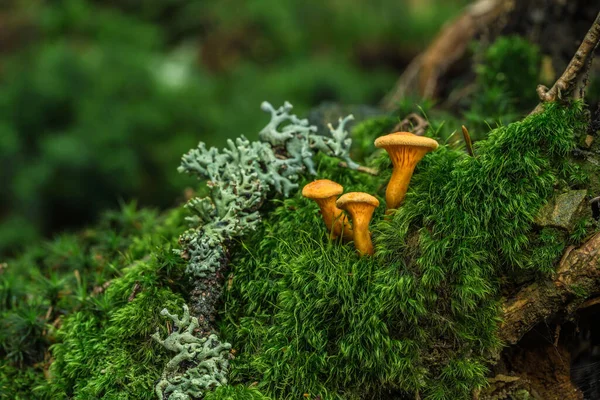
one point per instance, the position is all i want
(572, 82)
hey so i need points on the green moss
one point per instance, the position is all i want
(583, 227)
(507, 76)
(105, 349)
(513, 64)
(16, 383)
(579, 291)
(545, 247)
(76, 291)
(309, 316)
(238, 392)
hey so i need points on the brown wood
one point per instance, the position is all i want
(578, 271)
(572, 82)
(451, 44)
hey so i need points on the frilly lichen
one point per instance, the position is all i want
(241, 176)
(200, 364)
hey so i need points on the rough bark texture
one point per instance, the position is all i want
(205, 300)
(573, 81)
(577, 274)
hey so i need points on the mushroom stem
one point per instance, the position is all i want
(334, 218)
(362, 236)
(325, 192)
(404, 162)
(405, 150)
(360, 206)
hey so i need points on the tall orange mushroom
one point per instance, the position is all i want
(325, 192)
(405, 150)
(360, 206)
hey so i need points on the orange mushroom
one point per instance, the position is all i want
(360, 206)
(405, 150)
(324, 192)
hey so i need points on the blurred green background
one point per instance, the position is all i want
(99, 99)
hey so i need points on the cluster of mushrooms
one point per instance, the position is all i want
(405, 149)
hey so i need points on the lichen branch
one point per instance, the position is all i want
(208, 357)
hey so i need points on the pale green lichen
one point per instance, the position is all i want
(240, 178)
(339, 143)
(275, 134)
(242, 175)
(200, 364)
(299, 138)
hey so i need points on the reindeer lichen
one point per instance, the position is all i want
(200, 364)
(241, 176)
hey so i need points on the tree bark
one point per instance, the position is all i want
(559, 297)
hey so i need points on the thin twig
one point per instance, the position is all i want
(136, 289)
(571, 83)
(367, 170)
(557, 335)
(412, 123)
(468, 141)
(590, 303)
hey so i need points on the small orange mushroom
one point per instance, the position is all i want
(324, 192)
(405, 150)
(360, 206)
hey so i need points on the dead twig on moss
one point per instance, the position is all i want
(134, 292)
(412, 123)
(468, 141)
(366, 170)
(573, 80)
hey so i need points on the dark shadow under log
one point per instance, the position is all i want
(556, 298)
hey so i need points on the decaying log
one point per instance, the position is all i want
(577, 273)
(579, 269)
(423, 73)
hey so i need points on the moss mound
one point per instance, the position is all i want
(307, 317)
(100, 295)
(238, 392)
(310, 318)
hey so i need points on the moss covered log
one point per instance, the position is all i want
(305, 316)
(293, 314)
(308, 316)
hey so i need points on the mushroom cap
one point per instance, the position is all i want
(405, 139)
(356, 197)
(322, 189)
